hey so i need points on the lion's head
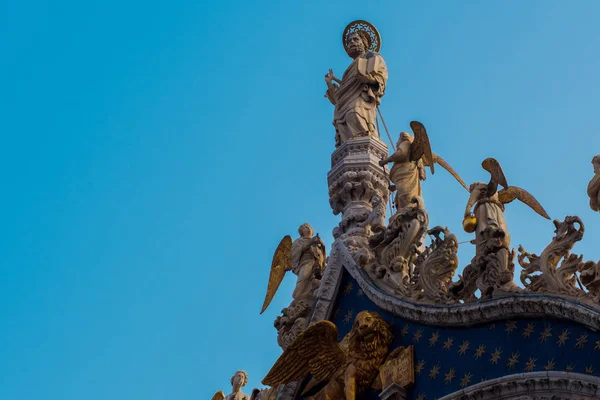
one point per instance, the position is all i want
(371, 331)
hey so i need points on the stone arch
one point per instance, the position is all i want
(551, 385)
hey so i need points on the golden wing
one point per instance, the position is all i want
(316, 350)
(512, 192)
(447, 167)
(421, 147)
(282, 262)
(219, 395)
(492, 166)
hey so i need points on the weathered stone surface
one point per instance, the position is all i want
(551, 385)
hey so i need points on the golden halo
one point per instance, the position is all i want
(371, 33)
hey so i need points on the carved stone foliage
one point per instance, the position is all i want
(292, 322)
(552, 277)
(358, 187)
(491, 271)
(396, 249)
(474, 313)
(402, 265)
(435, 268)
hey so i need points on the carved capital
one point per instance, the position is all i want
(354, 179)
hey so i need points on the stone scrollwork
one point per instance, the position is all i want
(543, 274)
(491, 271)
(404, 266)
(468, 314)
(435, 268)
(397, 248)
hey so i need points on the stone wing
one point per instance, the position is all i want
(219, 396)
(421, 148)
(282, 262)
(492, 166)
(316, 350)
(439, 160)
(512, 192)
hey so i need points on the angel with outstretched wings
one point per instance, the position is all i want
(305, 257)
(489, 204)
(411, 157)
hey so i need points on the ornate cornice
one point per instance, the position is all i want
(510, 307)
(551, 385)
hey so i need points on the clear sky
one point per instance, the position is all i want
(154, 153)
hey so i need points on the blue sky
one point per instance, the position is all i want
(154, 154)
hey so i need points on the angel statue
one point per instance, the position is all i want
(305, 257)
(593, 189)
(487, 221)
(362, 85)
(238, 380)
(339, 371)
(412, 155)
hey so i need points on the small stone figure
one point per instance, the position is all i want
(411, 157)
(593, 189)
(339, 370)
(238, 381)
(361, 87)
(590, 278)
(376, 219)
(305, 257)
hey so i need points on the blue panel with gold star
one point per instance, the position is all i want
(449, 359)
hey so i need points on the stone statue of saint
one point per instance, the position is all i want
(593, 189)
(238, 381)
(361, 87)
